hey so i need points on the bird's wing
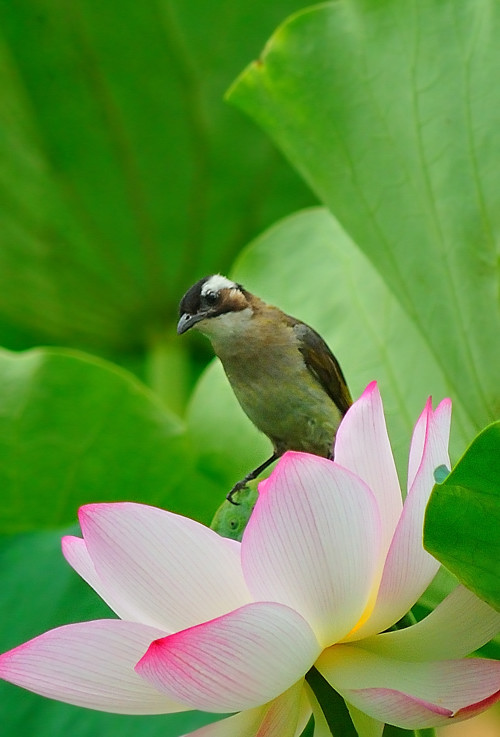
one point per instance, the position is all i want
(323, 365)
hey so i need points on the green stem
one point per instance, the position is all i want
(332, 705)
(167, 370)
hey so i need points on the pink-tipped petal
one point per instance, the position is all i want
(460, 624)
(400, 709)
(418, 441)
(75, 551)
(313, 543)
(442, 424)
(409, 568)
(281, 718)
(440, 418)
(362, 445)
(238, 661)
(409, 694)
(89, 664)
(167, 570)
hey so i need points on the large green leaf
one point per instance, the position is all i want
(40, 591)
(123, 175)
(388, 110)
(75, 429)
(462, 521)
(310, 268)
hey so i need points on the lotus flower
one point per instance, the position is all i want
(330, 558)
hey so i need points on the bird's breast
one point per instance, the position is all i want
(282, 398)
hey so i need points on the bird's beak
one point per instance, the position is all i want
(187, 321)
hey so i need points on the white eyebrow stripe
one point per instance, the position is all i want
(215, 283)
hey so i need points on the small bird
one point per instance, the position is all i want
(282, 372)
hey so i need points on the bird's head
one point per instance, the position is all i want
(212, 304)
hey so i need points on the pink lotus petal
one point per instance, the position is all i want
(411, 695)
(409, 568)
(440, 419)
(362, 445)
(418, 441)
(442, 424)
(399, 708)
(313, 542)
(89, 664)
(238, 661)
(460, 624)
(283, 717)
(170, 571)
(76, 553)
(474, 709)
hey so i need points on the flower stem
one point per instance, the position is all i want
(332, 705)
(167, 371)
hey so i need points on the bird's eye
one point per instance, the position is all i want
(211, 298)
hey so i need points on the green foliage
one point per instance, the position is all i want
(388, 111)
(124, 179)
(76, 429)
(123, 175)
(310, 267)
(463, 518)
(72, 429)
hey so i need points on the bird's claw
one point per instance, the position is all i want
(236, 488)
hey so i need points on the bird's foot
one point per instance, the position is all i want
(236, 488)
(250, 477)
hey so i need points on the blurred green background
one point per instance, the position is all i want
(125, 177)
